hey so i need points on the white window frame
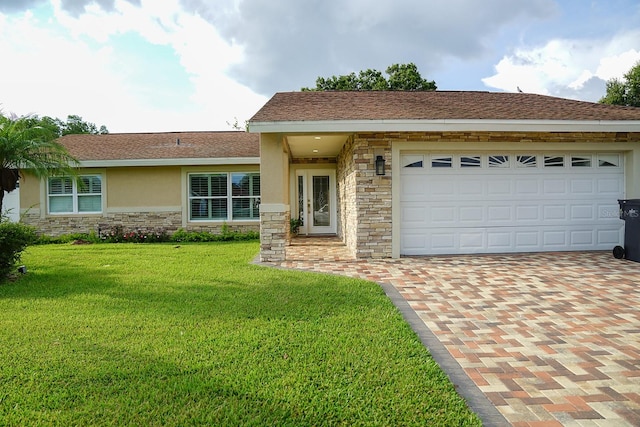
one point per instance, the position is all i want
(75, 194)
(229, 197)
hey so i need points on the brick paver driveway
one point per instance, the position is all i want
(549, 339)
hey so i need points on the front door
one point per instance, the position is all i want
(316, 195)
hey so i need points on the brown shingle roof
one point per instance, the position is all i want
(193, 145)
(433, 105)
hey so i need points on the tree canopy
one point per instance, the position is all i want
(73, 125)
(624, 91)
(401, 77)
(29, 143)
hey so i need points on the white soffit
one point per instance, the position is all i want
(318, 145)
(171, 162)
(446, 125)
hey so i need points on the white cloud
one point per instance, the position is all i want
(94, 65)
(50, 74)
(617, 65)
(564, 67)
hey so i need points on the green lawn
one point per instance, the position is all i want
(154, 334)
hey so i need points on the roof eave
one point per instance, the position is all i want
(441, 125)
(170, 162)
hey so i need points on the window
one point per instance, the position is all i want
(498, 161)
(246, 195)
(208, 196)
(441, 162)
(470, 162)
(608, 160)
(553, 161)
(68, 196)
(526, 161)
(581, 161)
(412, 161)
(224, 196)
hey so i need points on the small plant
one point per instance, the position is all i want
(295, 224)
(91, 237)
(117, 234)
(14, 238)
(225, 235)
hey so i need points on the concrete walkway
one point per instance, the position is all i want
(550, 339)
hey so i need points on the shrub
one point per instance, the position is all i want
(202, 236)
(91, 237)
(117, 234)
(14, 238)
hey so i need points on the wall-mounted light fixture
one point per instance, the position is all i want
(380, 165)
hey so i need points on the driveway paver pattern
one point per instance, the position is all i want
(551, 339)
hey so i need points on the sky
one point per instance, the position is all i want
(202, 65)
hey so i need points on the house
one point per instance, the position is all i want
(424, 173)
(196, 181)
(390, 173)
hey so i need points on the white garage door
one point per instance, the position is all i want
(510, 202)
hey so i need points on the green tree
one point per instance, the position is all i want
(28, 144)
(75, 125)
(401, 77)
(407, 77)
(624, 91)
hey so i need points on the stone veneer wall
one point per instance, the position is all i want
(519, 137)
(274, 236)
(365, 198)
(346, 192)
(144, 221)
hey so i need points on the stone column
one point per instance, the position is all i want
(274, 232)
(274, 198)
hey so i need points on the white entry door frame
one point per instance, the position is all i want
(316, 201)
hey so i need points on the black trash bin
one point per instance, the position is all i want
(630, 213)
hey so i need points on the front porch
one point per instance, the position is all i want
(330, 183)
(305, 249)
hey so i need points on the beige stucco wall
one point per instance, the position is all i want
(142, 187)
(135, 198)
(275, 210)
(274, 169)
(29, 192)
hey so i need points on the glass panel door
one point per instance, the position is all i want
(301, 198)
(316, 201)
(321, 202)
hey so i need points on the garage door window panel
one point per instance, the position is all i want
(470, 161)
(553, 161)
(608, 160)
(412, 161)
(499, 161)
(441, 161)
(526, 161)
(580, 161)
